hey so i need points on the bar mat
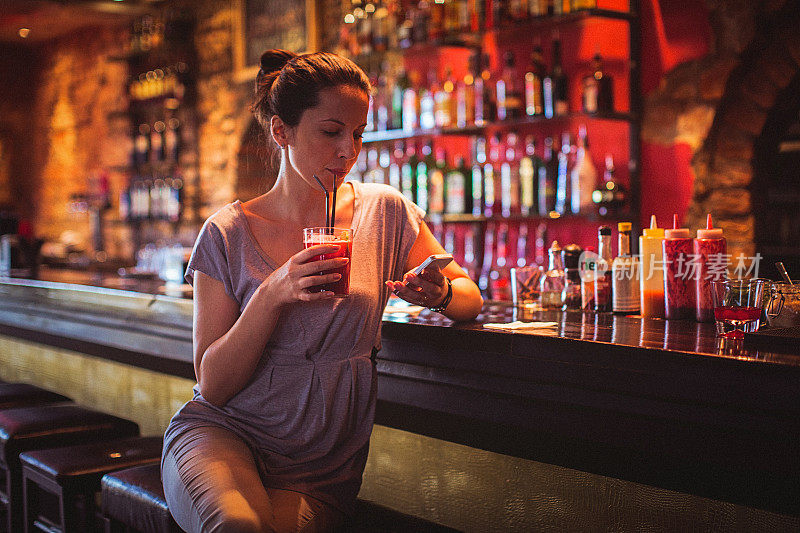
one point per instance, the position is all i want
(774, 337)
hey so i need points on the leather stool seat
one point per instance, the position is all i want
(47, 426)
(370, 517)
(22, 395)
(133, 500)
(68, 479)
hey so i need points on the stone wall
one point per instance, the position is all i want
(718, 105)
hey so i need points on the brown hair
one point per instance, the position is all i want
(287, 84)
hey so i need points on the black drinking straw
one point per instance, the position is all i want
(327, 202)
(333, 204)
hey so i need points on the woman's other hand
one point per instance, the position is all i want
(427, 289)
(296, 278)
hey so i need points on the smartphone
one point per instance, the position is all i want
(434, 261)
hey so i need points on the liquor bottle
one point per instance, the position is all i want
(583, 4)
(488, 262)
(610, 196)
(588, 279)
(371, 105)
(436, 185)
(562, 181)
(518, 10)
(444, 102)
(552, 283)
(534, 91)
(570, 257)
(470, 259)
(539, 244)
(625, 274)
(449, 242)
(486, 110)
(422, 173)
(384, 162)
(476, 175)
(500, 276)
(458, 188)
(583, 178)
(602, 282)
(427, 118)
(411, 105)
(381, 102)
(555, 86)
(509, 93)
(528, 172)
(491, 170)
(394, 166)
(465, 97)
(398, 89)
(537, 8)
(172, 140)
(548, 174)
(157, 141)
(141, 145)
(522, 245)
(598, 89)
(372, 166)
(509, 178)
(408, 173)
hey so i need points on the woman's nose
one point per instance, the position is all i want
(347, 149)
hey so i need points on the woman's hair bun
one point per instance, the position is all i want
(274, 60)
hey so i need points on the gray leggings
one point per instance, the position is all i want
(212, 485)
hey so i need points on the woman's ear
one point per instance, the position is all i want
(280, 131)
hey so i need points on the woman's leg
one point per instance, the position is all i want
(212, 484)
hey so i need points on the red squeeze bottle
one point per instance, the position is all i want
(710, 255)
(678, 287)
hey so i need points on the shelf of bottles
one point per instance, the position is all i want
(160, 93)
(511, 123)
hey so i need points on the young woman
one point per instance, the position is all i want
(277, 434)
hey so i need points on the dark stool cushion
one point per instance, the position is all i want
(23, 395)
(135, 497)
(34, 428)
(370, 517)
(80, 467)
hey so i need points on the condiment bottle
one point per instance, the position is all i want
(678, 285)
(602, 282)
(571, 256)
(651, 280)
(712, 262)
(624, 274)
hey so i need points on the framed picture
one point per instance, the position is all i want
(263, 24)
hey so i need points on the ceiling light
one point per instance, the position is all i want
(23, 32)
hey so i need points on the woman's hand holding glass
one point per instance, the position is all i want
(427, 289)
(295, 279)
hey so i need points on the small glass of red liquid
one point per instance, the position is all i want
(341, 237)
(738, 305)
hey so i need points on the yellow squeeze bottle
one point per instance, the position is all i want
(651, 278)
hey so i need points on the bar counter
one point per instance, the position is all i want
(661, 403)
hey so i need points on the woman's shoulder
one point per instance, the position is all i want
(226, 219)
(378, 192)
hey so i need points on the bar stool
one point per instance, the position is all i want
(34, 428)
(22, 395)
(60, 484)
(133, 501)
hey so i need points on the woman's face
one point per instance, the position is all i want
(327, 140)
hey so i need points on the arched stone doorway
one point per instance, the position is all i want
(725, 166)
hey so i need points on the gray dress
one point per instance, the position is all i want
(307, 412)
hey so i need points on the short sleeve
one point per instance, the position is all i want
(411, 219)
(209, 257)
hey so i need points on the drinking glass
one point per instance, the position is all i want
(738, 305)
(341, 237)
(525, 285)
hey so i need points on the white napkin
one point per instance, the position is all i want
(522, 325)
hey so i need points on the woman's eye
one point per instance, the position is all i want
(330, 133)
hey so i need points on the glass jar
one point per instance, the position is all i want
(783, 310)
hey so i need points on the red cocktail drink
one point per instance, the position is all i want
(342, 238)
